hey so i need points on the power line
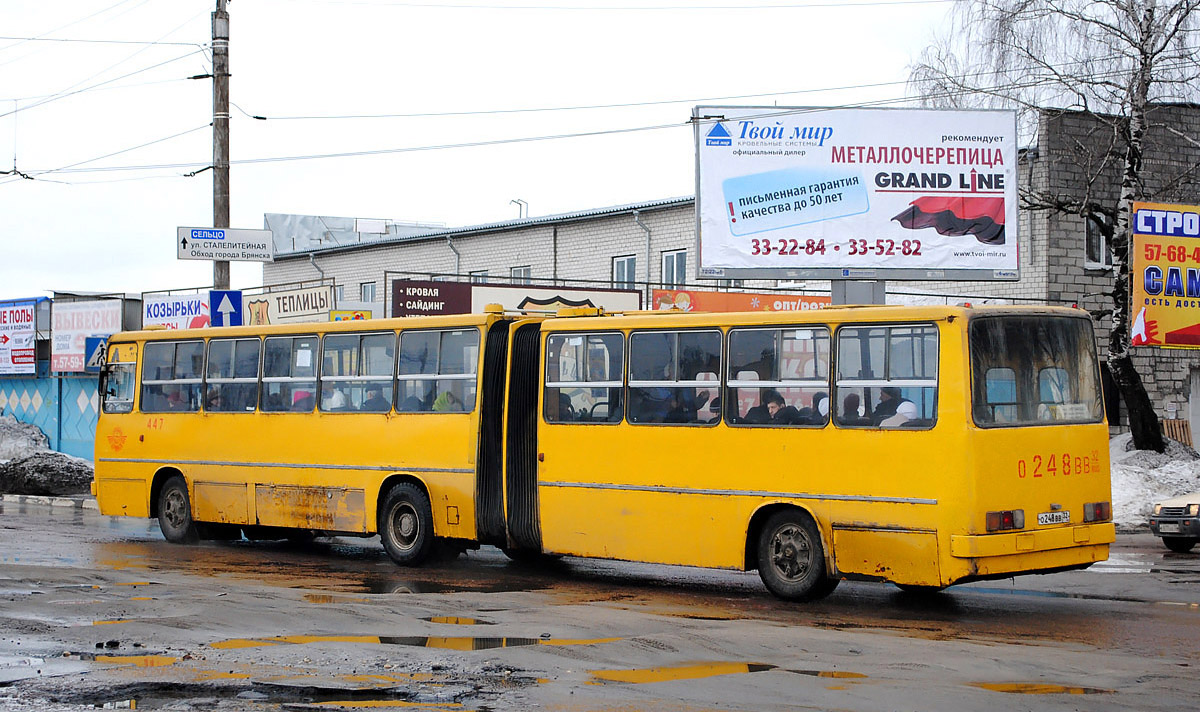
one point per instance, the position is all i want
(87, 41)
(63, 27)
(627, 8)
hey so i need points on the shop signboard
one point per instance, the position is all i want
(72, 323)
(288, 306)
(697, 300)
(420, 297)
(1166, 275)
(856, 193)
(183, 311)
(17, 334)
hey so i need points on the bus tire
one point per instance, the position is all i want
(791, 560)
(1179, 544)
(406, 524)
(175, 512)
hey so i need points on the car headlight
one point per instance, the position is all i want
(1193, 510)
(1157, 509)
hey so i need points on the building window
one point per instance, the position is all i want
(731, 283)
(624, 272)
(521, 275)
(366, 291)
(339, 293)
(479, 276)
(674, 268)
(1096, 252)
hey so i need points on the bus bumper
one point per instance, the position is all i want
(965, 546)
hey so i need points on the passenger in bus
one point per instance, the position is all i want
(851, 412)
(446, 401)
(782, 413)
(759, 414)
(685, 405)
(333, 399)
(175, 400)
(302, 401)
(212, 401)
(893, 409)
(375, 402)
(566, 411)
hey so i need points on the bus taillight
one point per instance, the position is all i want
(1097, 512)
(1007, 519)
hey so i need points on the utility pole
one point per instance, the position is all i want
(220, 127)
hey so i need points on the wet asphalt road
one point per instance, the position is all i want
(97, 610)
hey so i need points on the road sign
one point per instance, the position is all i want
(94, 349)
(221, 243)
(226, 307)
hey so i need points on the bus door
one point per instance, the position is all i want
(521, 444)
(489, 486)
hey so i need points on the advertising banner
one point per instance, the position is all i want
(17, 333)
(1165, 275)
(692, 300)
(288, 306)
(856, 193)
(72, 323)
(185, 311)
(419, 297)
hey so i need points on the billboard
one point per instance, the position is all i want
(412, 297)
(694, 300)
(17, 336)
(185, 311)
(1166, 275)
(287, 306)
(856, 193)
(73, 322)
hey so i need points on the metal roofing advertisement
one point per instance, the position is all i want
(1166, 275)
(17, 353)
(856, 193)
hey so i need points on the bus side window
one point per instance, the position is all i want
(289, 374)
(778, 377)
(437, 371)
(887, 376)
(172, 376)
(583, 378)
(231, 376)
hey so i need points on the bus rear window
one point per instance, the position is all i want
(1030, 370)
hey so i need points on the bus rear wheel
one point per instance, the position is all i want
(406, 524)
(791, 560)
(175, 512)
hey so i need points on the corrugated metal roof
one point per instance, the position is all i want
(415, 236)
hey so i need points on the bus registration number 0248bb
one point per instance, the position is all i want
(1054, 518)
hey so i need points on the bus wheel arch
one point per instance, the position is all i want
(172, 504)
(785, 543)
(404, 520)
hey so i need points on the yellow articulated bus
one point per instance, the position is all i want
(923, 446)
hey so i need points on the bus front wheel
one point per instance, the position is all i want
(175, 512)
(791, 560)
(406, 524)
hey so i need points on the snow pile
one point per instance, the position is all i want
(46, 473)
(1142, 477)
(19, 439)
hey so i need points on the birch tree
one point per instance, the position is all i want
(1115, 58)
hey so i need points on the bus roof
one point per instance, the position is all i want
(315, 327)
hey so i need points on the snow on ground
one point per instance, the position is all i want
(1142, 477)
(18, 440)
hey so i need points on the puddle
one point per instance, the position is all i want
(831, 673)
(374, 704)
(385, 585)
(1038, 688)
(137, 660)
(445, 643)
(326, 598)
(681, 672)
(455, 620)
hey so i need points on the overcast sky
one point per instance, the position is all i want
(123, 103)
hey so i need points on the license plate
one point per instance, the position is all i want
(1054, 518)
(1165, 528)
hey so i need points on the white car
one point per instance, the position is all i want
(1177, 521)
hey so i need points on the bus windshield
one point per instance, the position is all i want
(1033, 371)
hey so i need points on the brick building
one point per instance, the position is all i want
(1063, 260)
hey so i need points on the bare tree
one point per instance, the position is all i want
(1115, 59)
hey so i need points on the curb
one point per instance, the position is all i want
(79, 501)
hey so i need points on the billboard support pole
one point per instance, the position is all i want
(847, 291)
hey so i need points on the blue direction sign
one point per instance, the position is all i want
(94, 349)
(225, 307)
